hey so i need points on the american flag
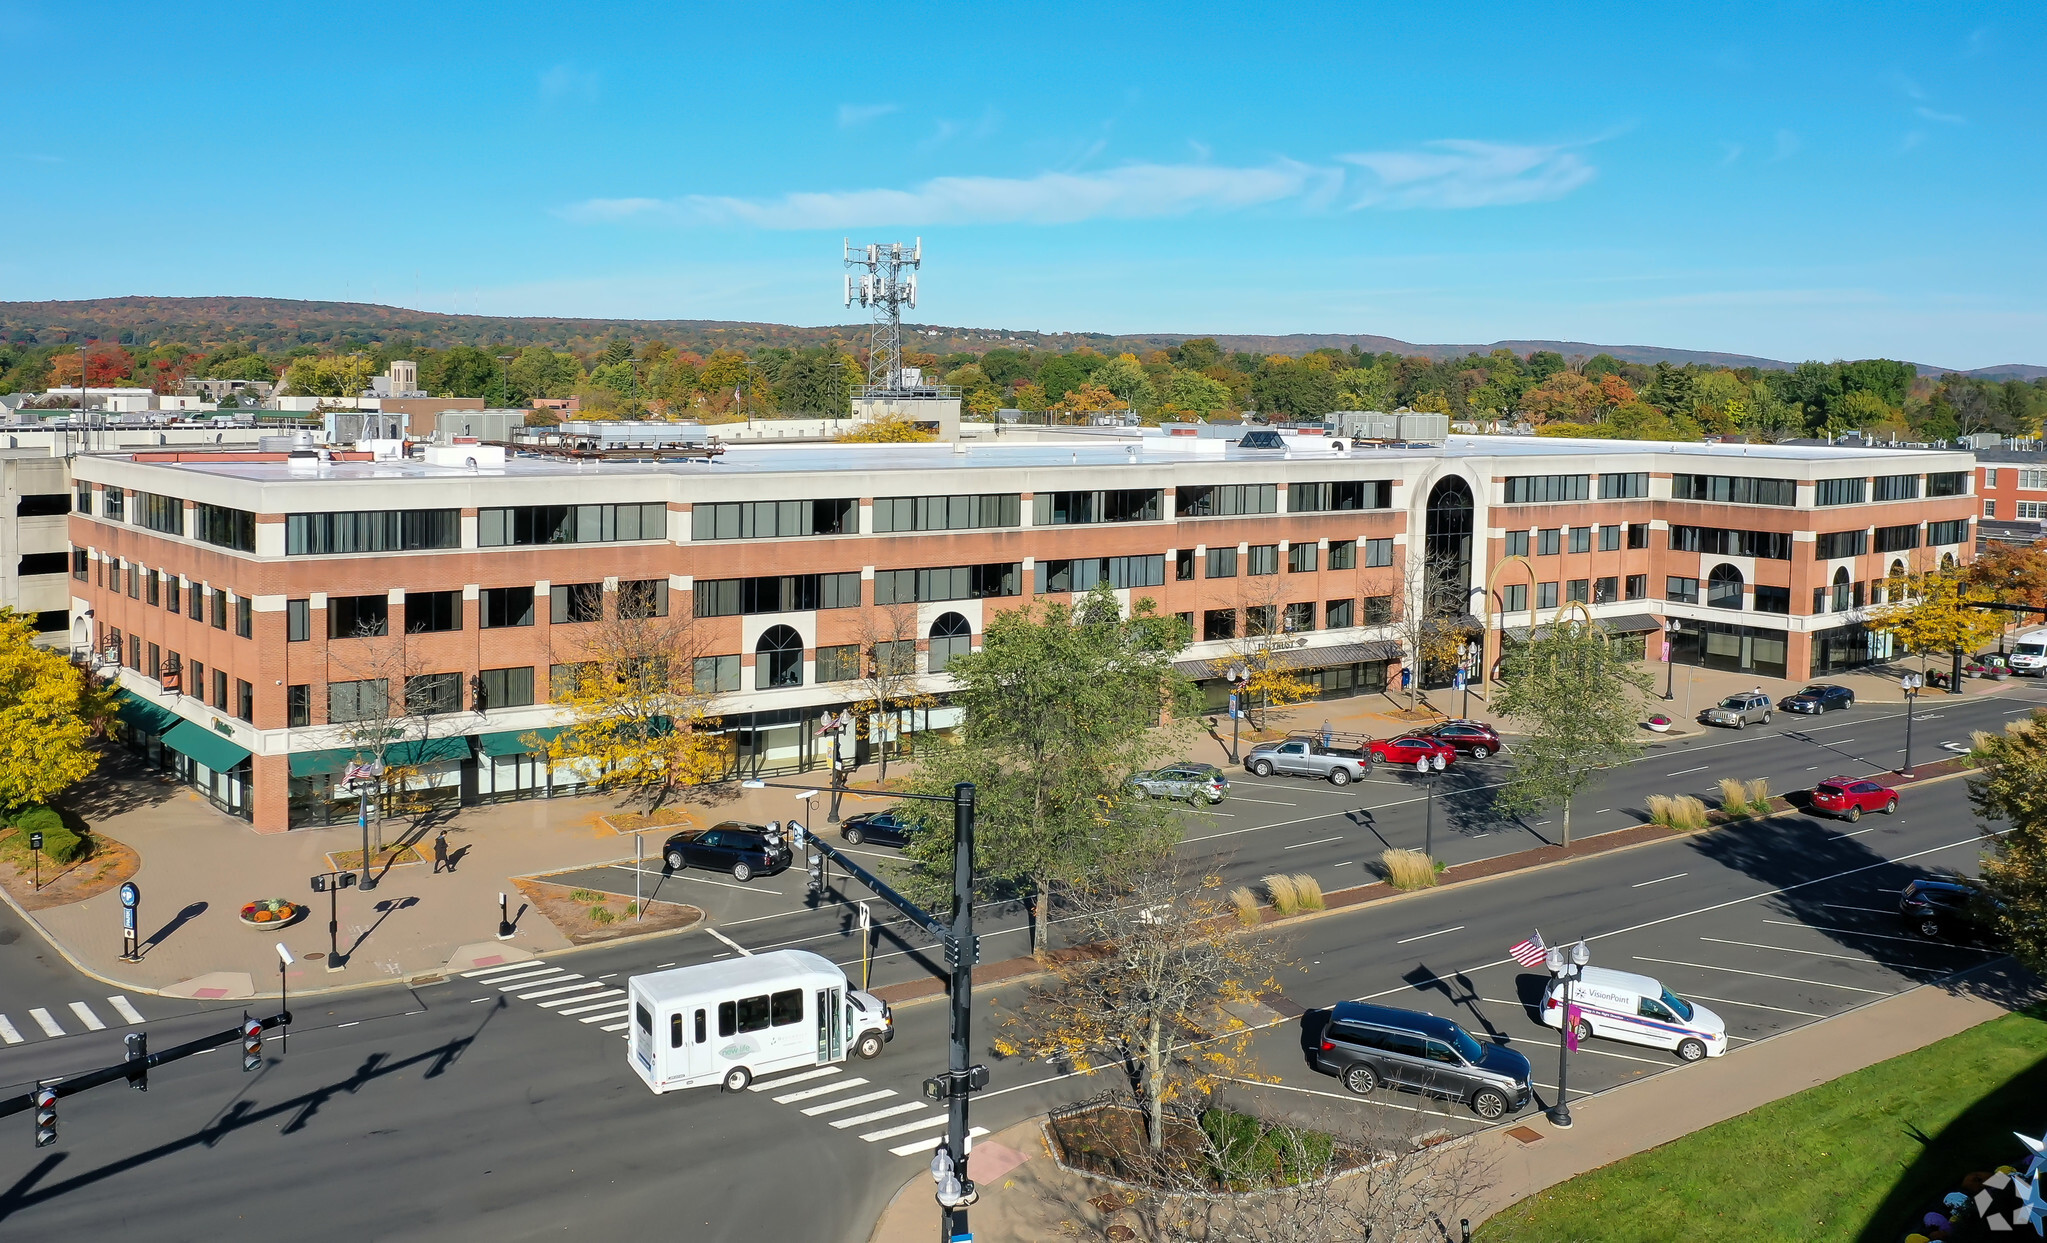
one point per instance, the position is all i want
(1529, 953)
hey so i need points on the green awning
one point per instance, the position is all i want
(513, 741)
(205, 746)
(316, 763)
(138, 713)
(428, 751)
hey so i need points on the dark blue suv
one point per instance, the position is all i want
(883, 828)
(1366, 1045)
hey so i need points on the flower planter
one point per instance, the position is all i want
(270, 913)
(1659, 723)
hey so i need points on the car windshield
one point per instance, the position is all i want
(2030, 649)
(1814, 690)
(1735, 701)
(1467, 1048)
(1678, 1006)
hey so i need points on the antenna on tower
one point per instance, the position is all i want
(884, 287)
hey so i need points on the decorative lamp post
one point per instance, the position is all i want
(1910, 682)
(1237, 676)
(1565, 964)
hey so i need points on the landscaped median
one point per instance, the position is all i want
(1866, 1156)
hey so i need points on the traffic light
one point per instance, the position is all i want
(952, 952)
(815, 883)
(138, 1060)
(344, 880)
(46, 1117)
(252, 1044)
(320, 883)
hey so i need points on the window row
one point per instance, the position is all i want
(947, 513)
(1514, 596)
(1719, 541)
(390, 530)
(786, 593)
(1549, 541)
(771, 519)
(174, 594)
(1261, 620)
(570, 524)
(434, 612)
(1734, 489)
(170, 671)
(1085, 574)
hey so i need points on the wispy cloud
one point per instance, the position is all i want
(852, 116)
(1456, 173)
(1945, 118)
(1444, 175)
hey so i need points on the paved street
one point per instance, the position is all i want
(488, 1100)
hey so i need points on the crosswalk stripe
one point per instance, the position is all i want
(619, 1013)
(919, 1125)
(615, 1027)
(551, 976)
(609, 992)
(532, 972)
(877, 1115)
(839, 1086)
(926, 1145)
(87, 1017)
(125, 1008)
(503, 967)
(848, 1103)
(769, 1085)
(7, 1031)
(560, 988)
(44, 1021)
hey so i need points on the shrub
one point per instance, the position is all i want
(1659, 810)
(1246, 904)
(1687, 813)
(1285, 898)
(632, 909)
(1733, 797)
(602, 915)
(60, 842)
(1246, 1153)
(1310, 891)
(1408, 869)
(585, 895)
(1759, 795)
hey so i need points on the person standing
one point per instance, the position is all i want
(441, 851)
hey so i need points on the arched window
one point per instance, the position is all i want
(1894, 583)
(778, 659)
(1947, 562)
(1841, 590)
(950, 637)
(1723, 587)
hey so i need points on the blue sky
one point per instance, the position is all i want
(1836, 181)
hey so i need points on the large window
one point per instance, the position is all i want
(1724, 587)
(1222, 563)
(575, 602)
(1378, 552)
(570, 524)
(788, 593)
(954, 582)
(1681, 590)
(298, 619)
(1953, 532)
(714, 675)
(1841, 491)
(1226, 500)
(229, 528)
(1343, 554)
(1718, 541)
(770, 519)
(643, 598)
(1218, 624)
(432, 612)
(1117, 572)
(778, 659)
(433, 694)
(1261, 560)
(114, 504)
(1956, 482)
(1340, 613)
(160, 513)
(1897, 539)
(388, 530)
(1623, 485)
(1312, 498)
(840, 663)
(1300, 558)
(1053, 509)
(368, 700)
(1894, 488)
(947, 513)
(507, 606)
(1533, 489)
(1517, 543)
(1832, 545)
(357, 617)
(505, 688)
(950, 636)
(1733, 489)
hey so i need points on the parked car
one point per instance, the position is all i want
(1621, 1005)
(883, 828)
(1474, 738)
(1818, 698)
(1849, 797)
(1186, 780)
(1366, 1045)
(1414, 751)
(1948, 909)
(745, 850)
(1337, 761)
(1738, 711)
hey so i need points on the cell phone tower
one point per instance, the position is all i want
(884, 286)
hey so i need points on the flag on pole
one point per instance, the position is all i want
(1529, 953)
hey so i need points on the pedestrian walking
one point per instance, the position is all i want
(441, 852)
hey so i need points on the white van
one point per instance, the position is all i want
(1621, 1005)
(2029, 652)
(728, 1021)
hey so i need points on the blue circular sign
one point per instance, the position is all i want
(130, 895)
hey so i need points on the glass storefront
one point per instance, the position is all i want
(1738, 649)
(1849, 647)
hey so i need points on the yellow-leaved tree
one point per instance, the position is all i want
(1941, 613)
(887, 430)
(48, 711)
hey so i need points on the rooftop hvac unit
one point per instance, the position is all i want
(1427, 428)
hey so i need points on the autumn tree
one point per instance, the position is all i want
(1579, 702)
(2012, 573)
(889, 429)
(2009, 793)
(1431, 611)
(48, 713)
(1260, 647)
(329, 375)
(888, 683)
(1941, 612)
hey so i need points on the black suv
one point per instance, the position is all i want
(1366, 1045)
(745, 850)
(1950, 910)
(883, 828)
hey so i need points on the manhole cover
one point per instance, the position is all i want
(315, 955)
(1525, 1134)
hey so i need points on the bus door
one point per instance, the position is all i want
(831, 1033)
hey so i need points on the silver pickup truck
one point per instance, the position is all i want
(1308, 757)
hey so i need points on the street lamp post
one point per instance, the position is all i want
(1669, 663)
(1237, 675)
(1565, 965)
(1910, 682)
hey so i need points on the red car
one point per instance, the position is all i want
(1474, 737)
(1414, 751)
(1849, 797)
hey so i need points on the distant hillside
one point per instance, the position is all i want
(271, 325)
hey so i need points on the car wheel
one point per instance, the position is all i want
(1339, 777)
(1928, 927)
(1360, 1080)
(1262, 769)
(1584, 1029)
(853, 836)
(1691, 1050)
(742, 871)
(737, 1079)
(1766, 718)
(1741, 722)
(1854, 814)
(675, 860)
(1850, 703)
(1488, 1104)
(1480, 751)
(1891, 808)
(869, 1046)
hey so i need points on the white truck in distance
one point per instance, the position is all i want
(729, 1021)
(2029, 652)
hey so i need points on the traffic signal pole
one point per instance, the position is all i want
(133, 1070)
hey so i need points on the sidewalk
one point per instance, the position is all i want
(1025, 1195)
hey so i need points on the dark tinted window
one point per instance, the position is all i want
(753, 1013)
(1407, 1044)
(675, 1030)
(645, 1017)
(1438, 1052)
(788, 1007)
(1826, 788)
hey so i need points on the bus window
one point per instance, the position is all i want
(788, 1007)
(646, 1019)
(700, 1027)
(675, 1030)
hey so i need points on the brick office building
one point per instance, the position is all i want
(246, 598)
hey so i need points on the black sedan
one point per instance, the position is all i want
(883, 828)
(1817, 698)
(745, 850)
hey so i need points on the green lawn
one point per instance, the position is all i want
(1856, 1159)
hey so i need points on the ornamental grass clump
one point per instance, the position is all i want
(1245, 903)
(1310, 891)
(1408, 869)
(1286, 896)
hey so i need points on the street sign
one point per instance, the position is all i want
(35, 839)
(130, 894)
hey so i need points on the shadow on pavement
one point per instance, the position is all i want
(186, 916)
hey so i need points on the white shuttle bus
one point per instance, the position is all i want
(729, 1021)
(2029, 652)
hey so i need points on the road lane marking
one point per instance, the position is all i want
(126, 1009)
(583, 988)
(1659, 880)
(1684, 771)
(729, 941)
(1785, 949)
(657, 873)
(1755, 1005)
(577, 1002)
(1602, 811)
(1835, 837)
(1317, 842)
(87, 1017)
(837, 1086)
(1764, 975)
(1426, 935)
(1883, 936)
(926, 1145)
(893, 1111)
(769, 1085)
(44, 1021)
(7, 1031)
(848, 1103)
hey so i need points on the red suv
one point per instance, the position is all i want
(1414, 751)
(1849, 797)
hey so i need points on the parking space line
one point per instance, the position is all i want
(1659, 880)
(1686, 771)
(1754, 1005)
(1884, 936)
(1583, 1047)
(1764, 975)
(1420, 1106)
(1426, 935)
(1872, 910)
(1835, 837)
(722, 884)
(1785, 949)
